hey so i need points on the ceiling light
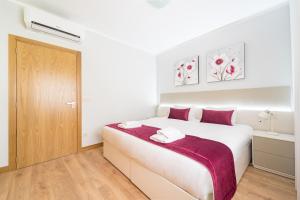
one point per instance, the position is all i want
(158, 3)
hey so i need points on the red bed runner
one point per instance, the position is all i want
(215, 156)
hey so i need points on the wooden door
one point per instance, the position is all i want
(46, 103)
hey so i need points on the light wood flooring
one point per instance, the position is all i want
(88, 176)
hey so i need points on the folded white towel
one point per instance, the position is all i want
(130, 124)
(170, 132)
(167, 135)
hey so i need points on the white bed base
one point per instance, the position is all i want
(153, 185)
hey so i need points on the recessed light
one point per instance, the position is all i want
(158, 3)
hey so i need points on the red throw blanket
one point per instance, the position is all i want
(215, 156)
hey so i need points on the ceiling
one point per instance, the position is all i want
(137, 23)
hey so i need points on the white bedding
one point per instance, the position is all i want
(184, 172)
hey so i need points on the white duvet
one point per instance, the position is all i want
(184, 172)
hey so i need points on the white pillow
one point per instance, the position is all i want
(234, 114)
(195, 114)
(162, 111)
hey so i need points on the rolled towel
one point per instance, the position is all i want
(170, 132)
(130, 124)
(167, 135)
(159, 138)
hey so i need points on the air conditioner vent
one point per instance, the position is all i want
(45, 22)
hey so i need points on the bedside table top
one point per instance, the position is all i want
(273, 135)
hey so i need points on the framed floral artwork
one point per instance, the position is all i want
(187, 71)
(226, 64)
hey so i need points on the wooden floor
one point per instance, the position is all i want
(87, 175)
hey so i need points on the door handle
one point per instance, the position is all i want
(72, 104)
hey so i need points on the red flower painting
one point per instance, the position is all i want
(187, 72)
(226, 64)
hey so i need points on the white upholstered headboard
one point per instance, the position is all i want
(283, 121)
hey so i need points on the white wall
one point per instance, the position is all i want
(119, 82)
(295, 27)
(267, 53)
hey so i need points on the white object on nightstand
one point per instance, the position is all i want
(267, 115)
(274, 152)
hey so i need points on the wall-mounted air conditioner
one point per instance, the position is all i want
(42, 21)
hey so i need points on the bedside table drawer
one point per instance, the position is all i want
(273, 146)
(274, 162)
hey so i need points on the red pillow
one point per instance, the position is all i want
(217, 117)
(182, 114)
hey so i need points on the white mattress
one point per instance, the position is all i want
(184, 172)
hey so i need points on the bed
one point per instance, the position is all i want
(164, 174)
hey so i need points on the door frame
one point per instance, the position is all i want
(12, 93)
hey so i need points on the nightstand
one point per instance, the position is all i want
(274, 152)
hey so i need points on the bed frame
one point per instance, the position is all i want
(153, 185)
(157, 187)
